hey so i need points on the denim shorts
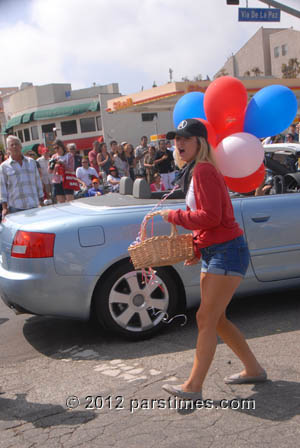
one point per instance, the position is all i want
(229, 258)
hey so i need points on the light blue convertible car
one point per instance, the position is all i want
(71, 260)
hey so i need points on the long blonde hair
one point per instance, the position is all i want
(205, 152)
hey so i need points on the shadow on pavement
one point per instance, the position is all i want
(256, 316)
(273, 400)
(40, 415)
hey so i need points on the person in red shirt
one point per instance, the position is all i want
(157, 185)
(225, 257)
(92, 155)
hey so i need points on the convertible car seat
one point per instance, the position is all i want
(292, 182)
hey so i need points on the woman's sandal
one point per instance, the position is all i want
(178, 392)
(237, 378)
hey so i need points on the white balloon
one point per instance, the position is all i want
(239, 155)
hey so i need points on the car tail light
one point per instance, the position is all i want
(33, 245)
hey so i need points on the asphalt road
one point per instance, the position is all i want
(67, 384)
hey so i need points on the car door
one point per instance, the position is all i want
(272, 229)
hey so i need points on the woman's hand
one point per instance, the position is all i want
(164, 214)
(191, 261)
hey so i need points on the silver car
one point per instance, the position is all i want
(71, 260)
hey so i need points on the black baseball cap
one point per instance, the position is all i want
(188, 128)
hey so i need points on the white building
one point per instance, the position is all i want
(39, 114)
(4, 91)
(264, 54)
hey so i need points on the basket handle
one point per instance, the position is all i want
(174, 230)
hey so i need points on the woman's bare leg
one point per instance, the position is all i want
(69, 197)
(60, 198)
(216, 293)
(235, 340)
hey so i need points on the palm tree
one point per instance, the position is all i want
(291, 69)
(256, 71)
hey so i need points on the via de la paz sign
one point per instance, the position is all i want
(259, 15)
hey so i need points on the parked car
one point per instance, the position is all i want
(283, 168)
(71, 260)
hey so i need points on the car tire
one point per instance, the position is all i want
(125, 304)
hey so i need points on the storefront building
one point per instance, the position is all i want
(39, 114)
(163, 98)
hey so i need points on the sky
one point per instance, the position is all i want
(130, 42)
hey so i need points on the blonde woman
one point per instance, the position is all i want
(225, 257)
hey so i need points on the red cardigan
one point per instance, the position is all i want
(213, 222)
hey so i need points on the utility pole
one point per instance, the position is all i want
(287, 9)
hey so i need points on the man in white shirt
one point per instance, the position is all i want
(85, 173)
(20, 183)
(140, 152)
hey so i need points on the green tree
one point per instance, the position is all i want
(291, 69)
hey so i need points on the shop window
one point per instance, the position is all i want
(20, 135)
(87, 124)
(68, 127)
(276, 52)
(99, 123)
(26, 135)
(34, 133)
(48, 128)
(149, 116)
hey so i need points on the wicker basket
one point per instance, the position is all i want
(161, 250)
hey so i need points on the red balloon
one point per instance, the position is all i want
(211, 133)
(248, 183)
(225, 103)
(228, 130)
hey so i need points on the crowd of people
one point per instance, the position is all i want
(60, 173)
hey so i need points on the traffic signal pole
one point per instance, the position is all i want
(284, 8)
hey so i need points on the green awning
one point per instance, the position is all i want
(27, 117)
(46, 114)
(94, 106)
(13, 122)
(66, 111)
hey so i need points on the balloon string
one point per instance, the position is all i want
(166, 319)
(149, 277)
(158, 205)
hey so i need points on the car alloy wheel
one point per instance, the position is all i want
(134, 305)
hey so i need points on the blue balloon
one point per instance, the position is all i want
(189, 106)
(270, 111)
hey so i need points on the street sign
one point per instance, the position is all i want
(259, 15)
